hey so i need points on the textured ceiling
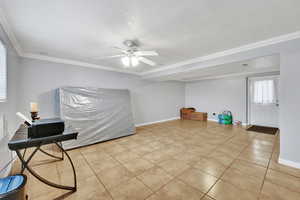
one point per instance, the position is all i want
(178, 30)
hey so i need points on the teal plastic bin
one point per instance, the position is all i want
(225, 117)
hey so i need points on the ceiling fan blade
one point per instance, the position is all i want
(108, 57)
(120, 49)
(147, 61)
(146, 53)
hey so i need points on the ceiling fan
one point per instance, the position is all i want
(131, 56)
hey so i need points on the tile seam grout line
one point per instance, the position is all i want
(95, 174)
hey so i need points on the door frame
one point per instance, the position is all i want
(248, 93)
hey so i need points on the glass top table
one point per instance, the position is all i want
(21, 141)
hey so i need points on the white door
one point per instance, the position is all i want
(263, 101)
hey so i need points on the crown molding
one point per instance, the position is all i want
(11, 36)
(16, 45)
(74, 62)
(241, 49)
(242, 74)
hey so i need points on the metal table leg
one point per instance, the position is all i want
(24, 153)
(53, 156)
(70, 160)
(26, 166)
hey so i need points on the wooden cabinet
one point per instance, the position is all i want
(201, 116)
(185, 113)
(191, 114)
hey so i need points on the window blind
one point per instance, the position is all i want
(3, 73)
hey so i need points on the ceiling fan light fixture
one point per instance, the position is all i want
(135, 61)
(126, 61)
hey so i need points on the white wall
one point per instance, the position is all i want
(8, 108)
(215, 96)
(290, 109)
(154, 101)
(151, 101)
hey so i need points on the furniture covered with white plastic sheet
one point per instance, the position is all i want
(97, 114)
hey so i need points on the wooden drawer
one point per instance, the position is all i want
(201, 116)
(186, 116)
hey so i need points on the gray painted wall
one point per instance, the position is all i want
(33, 80)
(290, 107)
(8, 108)
(151, 101)
(215, 96)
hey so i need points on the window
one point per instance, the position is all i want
(2, 128)
(264, 92)
(3, 73)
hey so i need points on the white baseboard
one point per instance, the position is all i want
(155, 122)
(7, 170)
(213, 120)
(289, 163)
(173, 118)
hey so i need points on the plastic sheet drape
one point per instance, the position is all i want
(97, 114)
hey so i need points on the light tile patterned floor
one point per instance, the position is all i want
(176, 160)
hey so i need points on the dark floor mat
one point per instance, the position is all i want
(263, 129)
